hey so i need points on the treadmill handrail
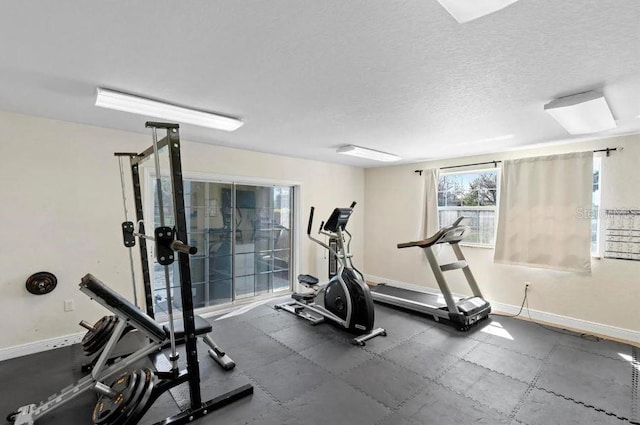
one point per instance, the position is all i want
(450, 234)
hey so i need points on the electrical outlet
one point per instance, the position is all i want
(69, 305)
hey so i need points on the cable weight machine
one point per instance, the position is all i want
(126, 395)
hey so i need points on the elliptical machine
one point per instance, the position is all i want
(347, 299)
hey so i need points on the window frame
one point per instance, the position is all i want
(497, 170)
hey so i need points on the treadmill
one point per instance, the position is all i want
(461, 312)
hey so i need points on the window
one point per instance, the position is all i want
(244, 240)
(473, 195)
(595, 208)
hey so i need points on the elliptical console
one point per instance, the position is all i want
(347, 299)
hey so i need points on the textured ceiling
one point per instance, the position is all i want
(308, 76)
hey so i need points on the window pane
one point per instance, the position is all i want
(474, 195)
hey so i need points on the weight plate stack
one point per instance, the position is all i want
(109, 409)
(41, 283)
(133, 415)
(94, 340)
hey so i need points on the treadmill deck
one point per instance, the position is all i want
(434, 301)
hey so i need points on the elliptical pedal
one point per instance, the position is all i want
(303, 298)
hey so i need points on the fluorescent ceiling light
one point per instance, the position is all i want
(468, 10)
(152, 108)
(367, 153)
(582, 113)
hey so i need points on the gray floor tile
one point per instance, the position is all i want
(274, 322)
(398, 419)
(289, 377)
(399, 329)
(257, 312)
(436, 404)
(336, 356)
(510, 363)
(518, 336)
(448, 341)
(261, 351)
(541, 408)
(386, 382)
(337, 403)
(609, 369)
(232, 334)
(274, 416)
(242, 411)
(586, 386)
(299, 338)
(611, 349)
(489, 388)
(423, 360)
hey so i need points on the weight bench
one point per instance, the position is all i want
(129, 342)
(128, 315)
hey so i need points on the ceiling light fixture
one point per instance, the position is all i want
(468, 10)
(582, 113)
(367, 153)
(152, 108)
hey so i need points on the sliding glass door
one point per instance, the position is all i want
(243, 233)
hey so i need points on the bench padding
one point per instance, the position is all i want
(123, 306)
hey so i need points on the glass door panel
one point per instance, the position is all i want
(243, 237)
(218, 232)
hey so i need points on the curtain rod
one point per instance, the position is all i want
(495, 163)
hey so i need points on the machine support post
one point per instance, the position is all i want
(475, 289)
(142, 243)
(186, 292)
(442, 283)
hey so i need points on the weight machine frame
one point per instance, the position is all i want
(197, 408)
(28, 414)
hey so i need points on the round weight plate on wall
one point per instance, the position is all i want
(41, 283)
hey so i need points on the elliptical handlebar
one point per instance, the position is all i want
(310, 221)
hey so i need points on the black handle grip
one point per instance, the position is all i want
(310, 221)
(183, 247)
(353, 204)
(321, 226)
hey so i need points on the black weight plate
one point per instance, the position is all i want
(100, 336)
(108, 408)
(41, 283)
(98, 326)
(89, 341)
(130, 406)
(141, 406)
(101, 340)
(94, 336)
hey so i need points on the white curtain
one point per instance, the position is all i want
(430, 224)
(538, 220)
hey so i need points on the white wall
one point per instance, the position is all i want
(62, 209)
(608, 296)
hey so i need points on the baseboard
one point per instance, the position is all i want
(63, 341)
(571, 323)
(39, 346)
(564, 322)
